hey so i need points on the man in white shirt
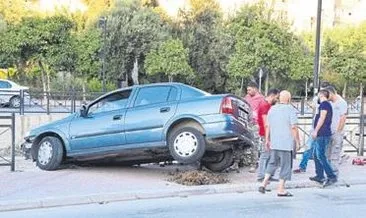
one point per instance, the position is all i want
(339, 106)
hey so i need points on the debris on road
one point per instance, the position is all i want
(195, 177)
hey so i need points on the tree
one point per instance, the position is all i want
(170, 58)
(204, 34)
(132, 32)
(301, 63)
(86, 45)
(346, 59)
(259, 43)
(43, 42)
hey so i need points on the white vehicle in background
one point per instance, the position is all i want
(10, 93)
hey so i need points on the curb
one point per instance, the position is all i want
(117, 197)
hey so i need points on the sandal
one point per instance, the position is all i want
(286, 194)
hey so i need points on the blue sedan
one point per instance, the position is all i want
(148, 123)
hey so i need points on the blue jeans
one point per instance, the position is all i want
(306, 156)
(321, 161)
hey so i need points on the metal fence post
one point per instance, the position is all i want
(302, 106)
(21, 108)
(13, 142)
(362, 124)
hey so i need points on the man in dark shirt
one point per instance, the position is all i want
(321, 135)
(271, 99)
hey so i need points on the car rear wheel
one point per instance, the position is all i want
(15, 102)
(186, 144)
(218, 161)
(50, 153)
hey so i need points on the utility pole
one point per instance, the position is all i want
(103, 24)
(317, 49)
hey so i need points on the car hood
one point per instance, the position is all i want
(52, 125)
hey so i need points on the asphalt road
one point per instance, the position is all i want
(331, 202)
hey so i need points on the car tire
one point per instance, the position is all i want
(50, 153)
(14, 102)
(218, 161)
(186, 144)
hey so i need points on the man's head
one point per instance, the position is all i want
(323, 95)
(272, 96)
(252, 89)
(332, 93)
(285, 97)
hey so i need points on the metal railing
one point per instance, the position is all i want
(8, 126)
(44, 102)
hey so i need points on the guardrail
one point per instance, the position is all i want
(8, 126)
(25, 101)
(35, 101)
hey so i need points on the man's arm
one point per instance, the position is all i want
(266, 131)
(323, 114)
(341, 123)
(295, 134)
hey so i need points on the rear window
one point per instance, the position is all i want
(191, 92)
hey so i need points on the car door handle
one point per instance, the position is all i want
(117, 117)
(164, 109)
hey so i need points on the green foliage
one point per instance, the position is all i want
(132, 31)
(170, 58)
(86, 46)
(209, 47)
(260, 43)
(95, 85)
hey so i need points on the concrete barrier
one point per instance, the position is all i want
(24, 123)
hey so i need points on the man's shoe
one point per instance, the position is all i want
(316, 179)
(329, 182)
(273, 179)
(252, 170)
(297, 171)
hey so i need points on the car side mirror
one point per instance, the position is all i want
(83, 110)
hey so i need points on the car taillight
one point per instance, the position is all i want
(226, 106)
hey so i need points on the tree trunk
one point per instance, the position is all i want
(241, 87)
(344, 89)
(170, 79)
(43, 77)
(84, 90)
(266, 85)
(135, 72)
(306, 89)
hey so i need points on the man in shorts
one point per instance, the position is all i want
(271, 99)
(281, 134)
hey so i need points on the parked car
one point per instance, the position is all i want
(148, 123)
(10, 93)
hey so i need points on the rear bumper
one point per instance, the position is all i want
(230, 131)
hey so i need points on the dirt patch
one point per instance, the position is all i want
(195, 177)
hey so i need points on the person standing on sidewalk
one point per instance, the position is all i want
(281, 134)
(254, 99)
(321, 136)
(271, 99)
(339, 106)
(309, 153)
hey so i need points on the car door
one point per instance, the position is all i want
(153, 107)
(103, 124)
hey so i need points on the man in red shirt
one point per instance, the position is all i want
(254, 98)
(263, 108)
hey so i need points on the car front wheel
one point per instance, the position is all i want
(187, 145)
(50, 153)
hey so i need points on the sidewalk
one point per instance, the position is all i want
(30, 187)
